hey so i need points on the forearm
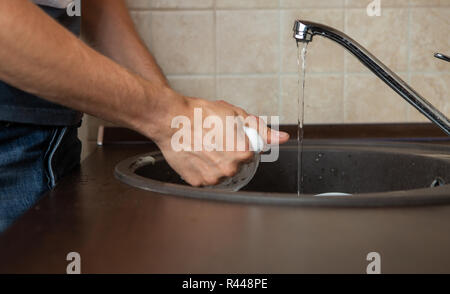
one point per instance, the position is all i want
(41, 57)
(107, 26)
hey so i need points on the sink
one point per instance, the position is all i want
(374, 173)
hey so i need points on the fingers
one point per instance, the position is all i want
(206, 173)
(206, 168)
(199, 172)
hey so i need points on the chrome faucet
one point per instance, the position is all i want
(304, 32)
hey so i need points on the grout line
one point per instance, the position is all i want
(216, 91)
(407, 108)
(245, 75)
(294, 74)
(405, 73)
(231, 75)
(280, 86)
(193, 9)
(233, 8)
(345, 85)
(341, 6)
(169, 9)
(187, 76)
(316, 74)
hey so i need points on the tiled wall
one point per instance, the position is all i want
(242, 51)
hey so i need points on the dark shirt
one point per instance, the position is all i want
(21, 107)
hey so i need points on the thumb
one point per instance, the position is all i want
(276, 137)
(271, 136)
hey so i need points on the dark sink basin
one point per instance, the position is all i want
(375, 173)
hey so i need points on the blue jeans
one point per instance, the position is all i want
(32, 160)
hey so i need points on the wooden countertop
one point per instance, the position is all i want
(120, 229)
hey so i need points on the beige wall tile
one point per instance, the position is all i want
(323, 99)
(247, 41)
(155, 4)
(88, 148)
(257, 95)
(433, 87)
(323, 55)
(91, 124)
(83, 136)
(202, 87)
(368, 99)
(384, 3)
(430, 29)
(289, 100)
(388, 45)
(311, 3)
(220, 4)
(182, 42)
(142, 21)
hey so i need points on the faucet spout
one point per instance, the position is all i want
(304, 31)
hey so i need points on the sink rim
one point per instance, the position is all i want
(414, 197)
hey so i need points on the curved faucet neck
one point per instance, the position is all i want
(304, 31)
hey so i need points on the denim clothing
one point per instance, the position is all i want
(22, 107)
(32, 161)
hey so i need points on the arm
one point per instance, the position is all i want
(39, 56)
(107, 27)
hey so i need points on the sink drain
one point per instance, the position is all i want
(437, 182)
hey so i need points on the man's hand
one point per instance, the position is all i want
(203, 167)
